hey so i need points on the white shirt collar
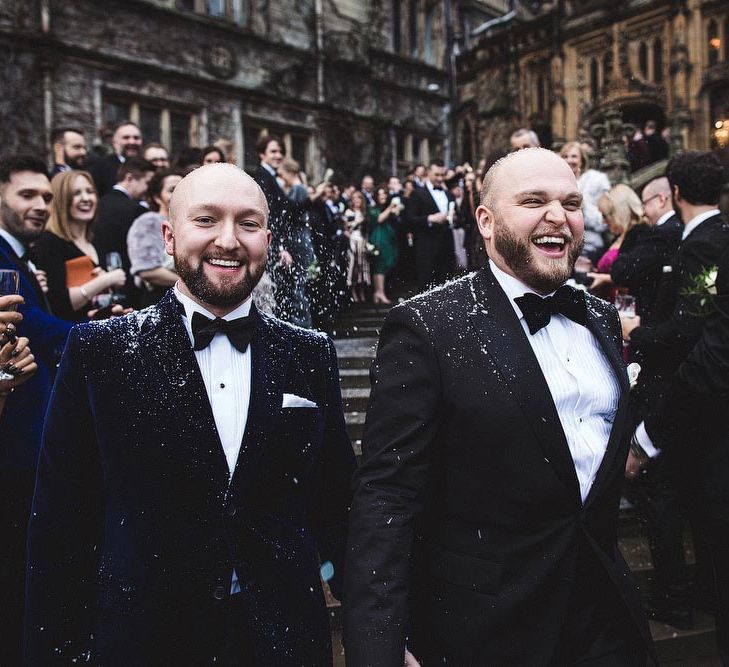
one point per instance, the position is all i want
(17, 246)
(665, 217)
(695, 222)
(513, 287)
(190, 306)
(269, 168)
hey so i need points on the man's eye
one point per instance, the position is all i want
(532, 201)
(572, 205)
(204, 220)
(250, 224)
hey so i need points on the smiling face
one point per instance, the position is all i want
(531, 218)
(25, 205)
(218, 235)
(74, 149)
(127, 141)
(273, 155)
(83, 200)
(573, 158)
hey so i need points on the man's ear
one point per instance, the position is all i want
(485, 221)
(168, 236)
(676, 193)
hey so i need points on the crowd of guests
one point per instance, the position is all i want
(87, 244)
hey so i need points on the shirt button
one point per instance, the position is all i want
(219, 593)
(222, 385)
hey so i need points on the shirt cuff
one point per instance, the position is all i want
(644, 440)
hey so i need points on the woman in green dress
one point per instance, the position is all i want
(383, 219)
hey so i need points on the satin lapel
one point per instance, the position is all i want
(505, 341)
(598, 325)
(270, 356)
(175, 373)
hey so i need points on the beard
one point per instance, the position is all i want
(75, 162)
(541, 274)
(14, 224)
(228, 292)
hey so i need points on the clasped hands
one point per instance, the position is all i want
(17, 363)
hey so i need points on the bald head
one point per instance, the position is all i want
(514, 165)
(216, 182)
(657, 201)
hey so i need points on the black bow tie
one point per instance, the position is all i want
(538, 311)
(436, 189)
(239, 331)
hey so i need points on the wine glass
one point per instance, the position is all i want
(625, 303)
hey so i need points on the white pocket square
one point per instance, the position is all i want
(294, 401)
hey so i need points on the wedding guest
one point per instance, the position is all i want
(150, 265)
(212, 154)
(622, 210)
(384, 218)
(358, 265)
(156, 154)
(68, 237)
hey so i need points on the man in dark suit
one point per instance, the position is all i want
(428, 218)
(483, 525)
(117, 211)
(25, 196)
(69, 149)
(127, 143)
(195, 466)
(690, 425)
(696, 180)
(645, 251)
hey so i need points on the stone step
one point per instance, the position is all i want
(357, 331)
(355, 400)
(355, 425)
(352, 378)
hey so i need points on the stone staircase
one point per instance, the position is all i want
(355, 338)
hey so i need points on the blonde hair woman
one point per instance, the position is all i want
(67, 237)
(622, 210)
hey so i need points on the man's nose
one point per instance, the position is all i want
(226, 238)
(555, 212)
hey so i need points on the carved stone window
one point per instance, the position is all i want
(228, 10)
(594, 80)
(643, 60)
(714, 42)
(658, 60)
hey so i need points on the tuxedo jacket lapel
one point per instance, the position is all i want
(174, 369)
(270, 357)
(506, 342)
(25, 274)
(597, 325)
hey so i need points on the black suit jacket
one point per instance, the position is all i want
(433, 243)
(279, 218)
(678, 323)
(639, 264)
(104, 171)
(117, 212)
(690, 422)
(467, 518)
(136, 528)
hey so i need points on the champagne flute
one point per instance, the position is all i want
(113, 262)
(9, 284)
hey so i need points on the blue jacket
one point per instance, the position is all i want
(21, 423)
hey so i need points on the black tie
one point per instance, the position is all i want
(567, 301)
(239, 331)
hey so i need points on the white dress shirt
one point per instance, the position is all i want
(226, 373)
(439, 197)
(697, 220)
(584, 387)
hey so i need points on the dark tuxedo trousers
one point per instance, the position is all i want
(136, 526)
(21, 423)
(434, 253)
(468, 536)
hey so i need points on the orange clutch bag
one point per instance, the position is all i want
(79, 271)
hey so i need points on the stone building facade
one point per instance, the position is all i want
(558, 68)
(355, 86)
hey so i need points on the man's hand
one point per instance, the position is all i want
(16, 360)
(9, 318)
(117, 310)
(42, 279)
(634, 465)
(628, 323)
(437, 218)
(410, 660)
(285, 259)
